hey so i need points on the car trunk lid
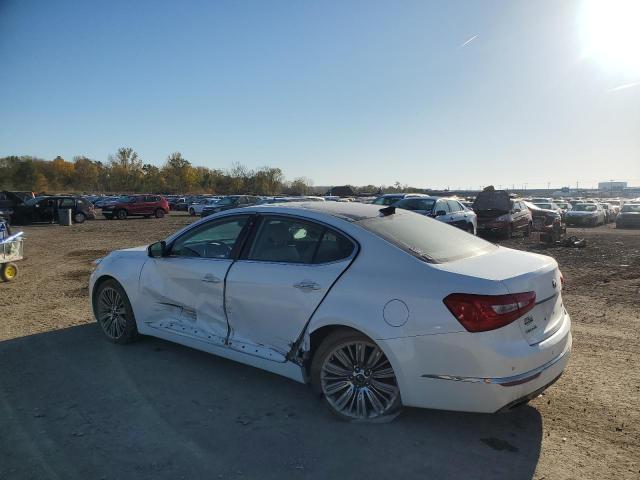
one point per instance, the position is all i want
(521, 272)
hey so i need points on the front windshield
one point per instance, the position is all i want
(585, 207)
(631, 208)
(426, 238)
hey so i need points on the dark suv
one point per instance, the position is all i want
(499, 214)
(46, 209)
(232, 201)
(136, 205)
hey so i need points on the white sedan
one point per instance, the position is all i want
(375, 308)
(196, 208)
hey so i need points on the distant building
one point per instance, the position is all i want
(612, 186)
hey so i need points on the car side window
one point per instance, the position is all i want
(333, 247)
(453, 206)
(67, 203)
(210, 240)
(441, 206)
(287, 240)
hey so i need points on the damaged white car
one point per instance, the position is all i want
(375, 308)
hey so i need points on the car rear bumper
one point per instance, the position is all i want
(501, 375)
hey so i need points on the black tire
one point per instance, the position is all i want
(121, 214)
(79, 217)
(470, 229)
(122, 328)
(159, 213)
(527, 231)
(508, 233)
(361, 380)
(192, 212)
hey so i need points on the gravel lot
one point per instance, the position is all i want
(74, 406)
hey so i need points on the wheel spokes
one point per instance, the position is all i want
(358, 381)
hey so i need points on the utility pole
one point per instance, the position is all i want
(549, 186)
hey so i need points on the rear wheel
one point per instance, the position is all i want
(192, 212)
(355, 378)
(121, 215)
(159, 213)
(114, 313)
(8, 271)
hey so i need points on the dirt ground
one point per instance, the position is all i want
(75, 406)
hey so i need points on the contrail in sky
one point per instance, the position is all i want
(623, 86)
(469, 41)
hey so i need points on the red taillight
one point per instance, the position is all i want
(479, 313)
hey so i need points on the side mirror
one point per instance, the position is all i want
(157, 250)
(440, 213)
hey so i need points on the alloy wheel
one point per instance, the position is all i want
(358, 381)
(112, 313)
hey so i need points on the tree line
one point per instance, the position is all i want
(125, 172)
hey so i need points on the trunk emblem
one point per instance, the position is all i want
(554, 284)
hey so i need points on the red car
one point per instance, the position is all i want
(136, 205)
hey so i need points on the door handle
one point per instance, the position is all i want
(210, 278)
(307, 285)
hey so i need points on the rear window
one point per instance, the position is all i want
(426, 238)
(631, 208)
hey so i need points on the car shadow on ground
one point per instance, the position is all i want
(73, 405)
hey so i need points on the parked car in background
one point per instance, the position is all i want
(391, 198)
(535, 200)
(456, 323)
(547, 206)
(609, 213)
(629, 216)
(46, 209)
(564, 206)
(616, 205)
(585, 215)
(446, 210)
(229, 202)
(136, 205)
(196, 208)
(102, 201)
(499, 214)
(548, 222)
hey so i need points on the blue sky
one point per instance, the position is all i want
(338, 91)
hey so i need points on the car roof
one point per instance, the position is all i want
(351, 211)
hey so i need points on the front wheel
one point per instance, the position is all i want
(79, 217)
(159, 213)
(114, 314)
(471, 229)
(192, 212)
(355, 378)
